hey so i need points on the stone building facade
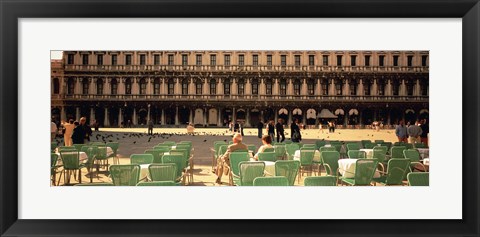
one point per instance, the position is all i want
(210, 88)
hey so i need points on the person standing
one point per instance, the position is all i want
(414, 132)
(260, 129)
(96, 125)
(236, 127)
(425, 131)
(240, 128)
(401, 132)
(271, 129)
(295, 131)
(150, 127)
(78, 134)
(280, 130)
(67, 136)
(53, 130)
(87, 130)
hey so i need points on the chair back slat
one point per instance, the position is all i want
(288, 169)
(125, 175)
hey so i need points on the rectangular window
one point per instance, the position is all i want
(268, 88)
(325, 60)
(353, 89)
(213, 59)
(227, 59)
(85, 88)
(269, 60)
(283, 88)
(99, 88)
(70, 58)
(170, 60)
(353, 60)
(366, 89)
(156, 87)
(143, 88)
(381, 60)
(255, 89)
(171, 89)
(226, 88)
(424, 60)
(184, 88)
(114, 89)
(395, 88)
(325, 88)
(424, 89)
(297, 60)
(114, 59)
(100, 59)
(128, 88)
(311, 60)
(381, 89)
(339, 60)
(142, 59)
(156, 59)
(85, 59)
(338, 88)
(255, 60)
(241, 88)
(241, 60)
(184, 60)
(409, 60)
(296, 88)
(395, 60)
(128, 59)
(409, 89)
(367, 60)
(199, 60)
(311, 88)
(199, 88)
(213, 88)
(283, 60)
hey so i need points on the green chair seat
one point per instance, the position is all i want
(320, 181)
(270, 181)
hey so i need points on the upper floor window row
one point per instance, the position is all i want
(269, 60)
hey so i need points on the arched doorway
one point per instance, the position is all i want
(297, 114)
(353, 118)
(367, 117)
(341, 116)
(254, 117)
(283, 114)
(268, 114)
(198, 117)
(423, 114)
(395, 116)
(241, 115)
(100, 115)
(311, 116)
(142, 116)
(183, 116)
(212, 117)
(382, 116)
(410, 116)
(113, 116)
(170, 116)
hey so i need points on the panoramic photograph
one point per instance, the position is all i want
(240, 118)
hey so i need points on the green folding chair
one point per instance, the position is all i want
(418, 179)
(180, 164)
(330, 162)
(397, 151)
(267, 156)
(352, 146)
(270, 181)
(125, 175)
(114, 146)
(414, 156)
(320, 181)
(320, 143)
(356, 154)
(288, 169)
(141, 159)
(163, 172)
(71, 163)
(235, 159)
(157, 155)
(364, 172)
(249, 171)
(306, 161)
(280, 151)
(291, 149)
(396, 171)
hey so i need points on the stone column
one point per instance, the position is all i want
(304, 117)
(332, 87)
(276, 87)
(417, 88)
(205, 87)
(106, 120)
(120, 119)
(262, 87)
(149, 89)
(360, 87)
(289, 87)
(360, 116)
(346, 90)
(134, 116)
(290, 117)
(205, 117)
(92, 88)
(148, 113)
(177, 90)
(219, 119)
(121, 86)
(176, 115)
(346, 118)
(234, 115)
(190, 119)
(304, 87)
(374, 90)
(403, 91)
(63, 115)
(135, 87)
(375, 115)
(163, 117)
(78, 86)
(61, 82)
(388, 89)
(92, 115)
(248, 87)
(276, 115)
(192, 89)
(163, 90)
(389, 122)
(77, 114)
(234, 89)
(318, 87)
(220, 87)
(247, 120)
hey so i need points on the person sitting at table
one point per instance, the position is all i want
(223, 162)
(267, 143)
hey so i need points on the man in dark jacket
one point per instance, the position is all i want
(280, 130)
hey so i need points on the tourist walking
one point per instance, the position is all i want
(260, 128)
(67, 136)
(425, 131)
(271, 129)
(150, 127)
(280, 130)
(295, 131)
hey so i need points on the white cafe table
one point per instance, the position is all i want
(316, 155)
(346, 167)
(424, 152)
(269, 166)
(369, 152)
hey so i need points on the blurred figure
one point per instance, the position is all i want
(223, 163)
(414, 132)
(53, 130)
(271, 129)
(425, 131)
(401, 132)
(67, 137)
(280, 130)
(150, 127)
(190, 129)
(260, 129)
(295, 131)
(267, 143)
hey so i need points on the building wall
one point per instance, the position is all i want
(150, 88)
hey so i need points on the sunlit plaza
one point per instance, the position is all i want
(347, 106)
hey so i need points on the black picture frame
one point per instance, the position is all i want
(11, 11)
